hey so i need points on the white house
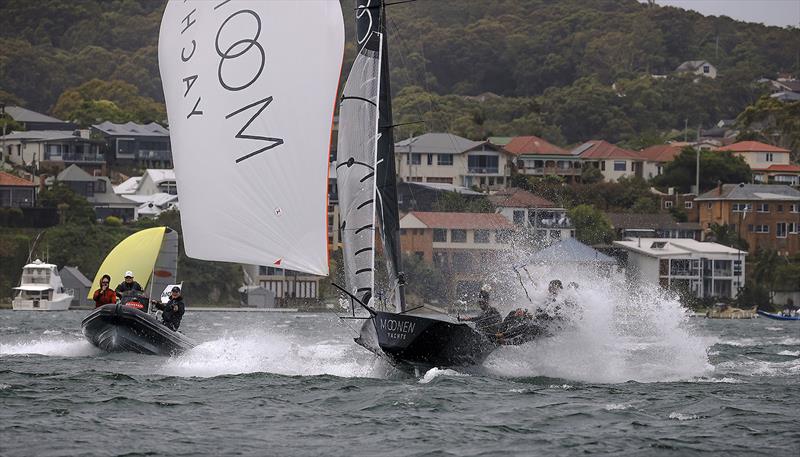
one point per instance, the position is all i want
(613, 161)
(705, 269)
(538, 216)
(451, 159)
(155, 191)
(698, 67)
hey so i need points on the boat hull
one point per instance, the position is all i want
(418, 342)
(118, 328)
(778, 317)
(60, 304)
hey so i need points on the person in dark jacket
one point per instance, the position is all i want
(489, 320)
(129, 286)
(172, 310)
(104, 295)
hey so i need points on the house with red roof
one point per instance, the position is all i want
(461, 245)
(16, 192)
(770, 164)
(535, 156)
(613, 161)
(658, 156)
(535, 215)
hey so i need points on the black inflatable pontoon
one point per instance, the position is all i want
(120, 328)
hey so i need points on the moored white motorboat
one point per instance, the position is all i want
(41, 289)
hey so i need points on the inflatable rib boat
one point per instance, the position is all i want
(120, 328)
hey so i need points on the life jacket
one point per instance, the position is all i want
(103, 298)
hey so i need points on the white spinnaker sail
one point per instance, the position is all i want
(355, 167)
(250, 87)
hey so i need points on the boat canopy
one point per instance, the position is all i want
(137, 253)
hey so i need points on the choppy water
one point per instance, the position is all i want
(278, 384)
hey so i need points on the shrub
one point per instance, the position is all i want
(112, 221)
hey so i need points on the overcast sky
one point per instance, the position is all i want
(771, 12)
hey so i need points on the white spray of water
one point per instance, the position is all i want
(622, 332)
(256, 351)
(434, 373)
(60, 347)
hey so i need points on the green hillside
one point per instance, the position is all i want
(550, 63)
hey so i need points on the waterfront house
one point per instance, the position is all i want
(31, 120)
(613, 161)
(450, 159)
(54, 150)
(16, 192)
(770, 164)
(767, 216)
(99, 192)
(136, 144)
(703, 269)
(532, 214)
(464, 246)
(535, 156)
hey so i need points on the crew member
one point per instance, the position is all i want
(104, 295)
(129, 286)
(172, 310)
(489, 320)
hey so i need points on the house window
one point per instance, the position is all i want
(458, 236)
(502, 236)
(780, 230)
(603, 165)
(619, 165)
(706, 69)
(737, 267)
(262, 270)
(688, 205)
(780, 208)
(440, 235)
(416, 159)
(762, 228)
(709, 205)
(430, 159)
(100, 186)
(795, 208)
(519, 217)
(481, 236)
(483, 164)
(793, 227)
(444, 159)
(741, 207)
(667, 204)
(768, 156)
(763, 207)
(440, 180)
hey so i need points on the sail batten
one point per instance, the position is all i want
(250, 88)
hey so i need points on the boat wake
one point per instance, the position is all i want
(620, 333)
(50, 345)
(258, 352)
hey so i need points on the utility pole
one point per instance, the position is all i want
(697, 168)
(686, 130)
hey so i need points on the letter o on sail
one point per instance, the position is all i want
(250, 87)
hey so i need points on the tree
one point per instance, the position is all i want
(725, 235)
(591, 225)
(591, 175)
(74, 208)
(778, 123)
(116, 101)
(457, 203)
(714, 167)
(423, 280)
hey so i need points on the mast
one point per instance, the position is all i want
(370, 16)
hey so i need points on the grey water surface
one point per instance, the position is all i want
(296, 384)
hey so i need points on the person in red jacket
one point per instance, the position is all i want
(104, 295)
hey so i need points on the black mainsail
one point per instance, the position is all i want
(366, 177)
(366, 174)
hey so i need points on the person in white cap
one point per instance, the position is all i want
(128, 286)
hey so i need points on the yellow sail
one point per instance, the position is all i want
(136, 253)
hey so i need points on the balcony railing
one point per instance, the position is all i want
(75, 157)
(552, 171)
(483, 170)
(154, 155)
